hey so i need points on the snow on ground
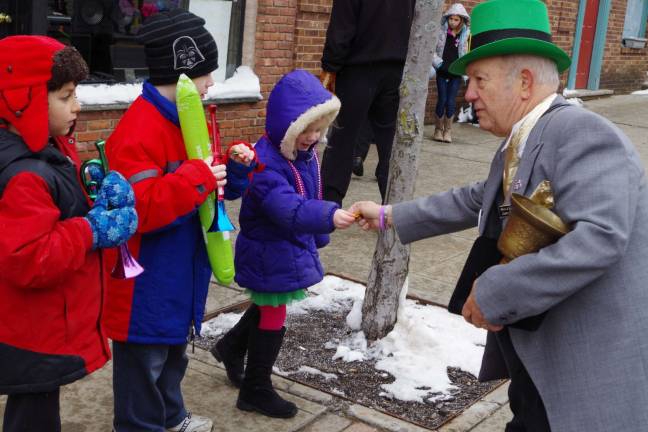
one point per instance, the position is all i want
(641, 92)
(307, 370)
(417, 352)
(244, 83)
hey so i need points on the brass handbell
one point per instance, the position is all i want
(530, 227)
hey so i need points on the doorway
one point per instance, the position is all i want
(588, 34)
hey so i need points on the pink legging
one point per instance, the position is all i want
(272, 318)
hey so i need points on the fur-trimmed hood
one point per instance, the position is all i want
(456, 9)
(296, 101)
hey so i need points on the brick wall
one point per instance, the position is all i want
(242, 121)
(310, 33)
(624, 69)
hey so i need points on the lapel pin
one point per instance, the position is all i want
(517, 184)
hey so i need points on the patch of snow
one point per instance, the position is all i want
(332, 294)
(220, 325)
(313, 371)
(640, 92)
(306, 370)
(338, 392)
(104, 94)
(243, 84)
(354, 317)
(425, 341)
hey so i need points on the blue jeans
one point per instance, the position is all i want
(447, 89)
(146, 386)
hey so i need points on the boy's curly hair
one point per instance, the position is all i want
(68, 66)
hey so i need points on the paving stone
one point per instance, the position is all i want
(499, 395)
(360, 427)
(471, 417)
(381, 420)
(328, 423)
(496, 422)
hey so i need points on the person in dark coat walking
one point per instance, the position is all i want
(363, 60)
(283, 222)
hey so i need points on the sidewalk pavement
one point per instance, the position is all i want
(435, 264)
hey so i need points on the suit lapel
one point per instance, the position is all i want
(527, 161)
(493, 186)
(532, 148)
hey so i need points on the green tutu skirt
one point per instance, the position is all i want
(276, 299)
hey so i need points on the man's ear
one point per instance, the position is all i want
(526, 84)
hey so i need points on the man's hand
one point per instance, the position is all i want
(473, 314)
(368, 214)
(328, 80)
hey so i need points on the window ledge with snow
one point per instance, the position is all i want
(242, 87)
(634, 42)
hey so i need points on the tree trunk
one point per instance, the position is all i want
(391, 258)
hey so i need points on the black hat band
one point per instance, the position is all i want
(487, 37)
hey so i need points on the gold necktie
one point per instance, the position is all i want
(511, 162)
(512, 159)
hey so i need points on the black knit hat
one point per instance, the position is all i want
(177, 42)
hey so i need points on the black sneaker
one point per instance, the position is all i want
(358, 169)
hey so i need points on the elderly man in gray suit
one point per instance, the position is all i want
(584, 367)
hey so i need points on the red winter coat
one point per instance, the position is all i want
(50, 278)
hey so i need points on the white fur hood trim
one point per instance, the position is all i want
(328, 110)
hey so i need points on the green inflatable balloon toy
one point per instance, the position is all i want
(196, 138)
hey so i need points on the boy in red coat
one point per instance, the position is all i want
(51, 283)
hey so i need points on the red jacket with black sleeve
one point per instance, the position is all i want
(50, 278)
(160, 305)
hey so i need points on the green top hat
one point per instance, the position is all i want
(501, 27)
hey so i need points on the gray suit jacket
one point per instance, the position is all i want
(589, 358)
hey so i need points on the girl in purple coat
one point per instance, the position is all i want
(283, 222)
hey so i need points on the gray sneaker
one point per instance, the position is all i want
(193, 423)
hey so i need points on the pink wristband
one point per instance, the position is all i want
(381, 218)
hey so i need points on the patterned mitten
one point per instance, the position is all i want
(111, 228)
(96, 173)
(115, 192)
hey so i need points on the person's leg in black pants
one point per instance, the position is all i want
(32, 412)
(355, 87)
(529, 414)
(365, 138)
(382, 116)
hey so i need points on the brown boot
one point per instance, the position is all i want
(447, 129)
(438, 128)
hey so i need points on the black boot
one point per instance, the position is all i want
(257, 393)
(230, 349)
(358, 168)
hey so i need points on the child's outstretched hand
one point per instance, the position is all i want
(343, 218)
(219, 171)
(242, 154)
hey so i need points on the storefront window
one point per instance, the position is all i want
(104, 32)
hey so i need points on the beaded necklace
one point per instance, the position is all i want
(299, 182)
